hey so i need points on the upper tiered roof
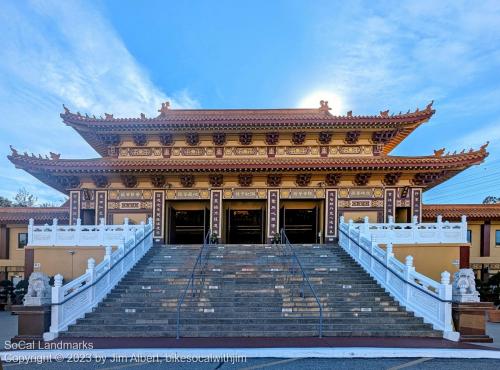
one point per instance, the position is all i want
(227, 120)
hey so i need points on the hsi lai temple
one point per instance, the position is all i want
(246, 173)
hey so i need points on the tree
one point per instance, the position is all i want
(24, 199)
(4, 202)
(491, 200)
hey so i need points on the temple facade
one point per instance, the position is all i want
(245, 174)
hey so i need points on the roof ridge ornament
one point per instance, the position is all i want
(439, 152)
(165, 107)
(66, 110)
(15, 153)
(429, 106)
(384, 113)
(324, 106)
(483, 147)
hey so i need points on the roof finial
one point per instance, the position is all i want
(14, 151)
(483, 147)
(429, 106)
(384, 113)
(349, 114)
(439, 152)
(324, 106)
(54, 156)
(108, 116)
(66, 110)
(164, 108)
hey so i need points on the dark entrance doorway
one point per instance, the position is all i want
(301, 225)
(403, 214)
(187, 226)
(245, 226)
(88, 216)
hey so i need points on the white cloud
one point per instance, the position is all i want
(57, 52)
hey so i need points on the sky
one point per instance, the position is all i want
(126, 57)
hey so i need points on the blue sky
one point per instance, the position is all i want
(126, 57)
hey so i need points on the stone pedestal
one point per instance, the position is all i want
(33, 321)
(470, 321)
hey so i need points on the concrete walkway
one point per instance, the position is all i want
(8, 325)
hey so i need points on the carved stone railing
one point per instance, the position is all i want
(79, 235)
(73, 300)
(415, 233)
(428, 299)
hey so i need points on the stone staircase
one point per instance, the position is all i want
(249, 291)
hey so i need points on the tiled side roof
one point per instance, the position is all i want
(455, 211)
(21, 215)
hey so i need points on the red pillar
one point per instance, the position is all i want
(485, 239)
(464, 257)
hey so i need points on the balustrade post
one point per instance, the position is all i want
(439, 229)
(409, 269)
(350, 227)
(57, 309)
(366, 225)
(31, 225)
(91, 273)
(102, 230)
(53, 236)
(78, 230)
(107, 257)
(463, 228)
(126, 229)
(445, 293)
(388, 256)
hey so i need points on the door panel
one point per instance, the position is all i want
(245, 226)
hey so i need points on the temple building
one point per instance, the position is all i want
(244, 174)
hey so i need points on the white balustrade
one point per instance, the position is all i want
(415, 233)
(427, 298)
(74, 299)
(79, 235)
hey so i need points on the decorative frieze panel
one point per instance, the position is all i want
(130, 195)
(101, 205)
(74, 207)
(302, 193)
(351, 150)
(331, 215)
(244, 151)
(361, 193)
(360, 203)
(245, 194)
(273, 207)
(140, 152)
(130, 205)
(187, 194)
(159, 213)
(216, 212)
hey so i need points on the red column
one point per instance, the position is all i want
(485, 239)
(4, 242)
(29, 260)
(464, 257)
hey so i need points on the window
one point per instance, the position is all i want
(497, 237)
(469, 236)
(22, 240)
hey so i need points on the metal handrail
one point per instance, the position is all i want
(286, 242)
(206, 244)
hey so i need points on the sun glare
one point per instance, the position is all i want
(312, 101)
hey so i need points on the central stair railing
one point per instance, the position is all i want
(305, 278)
(199, 263)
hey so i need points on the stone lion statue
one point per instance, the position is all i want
(464, 286)
(39, 290)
